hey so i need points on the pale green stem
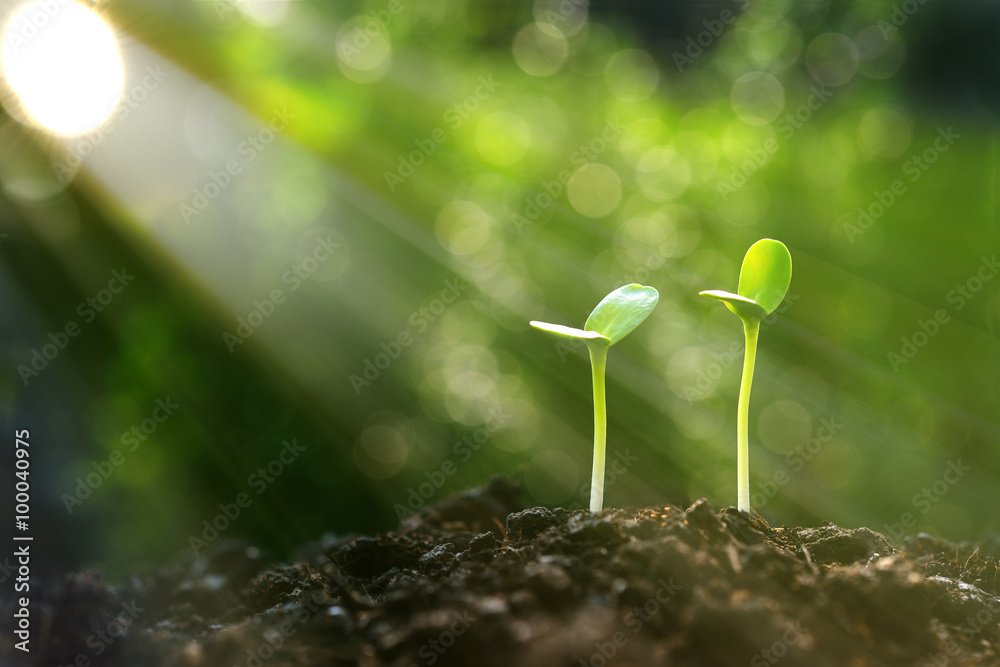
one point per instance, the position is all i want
(598, 359)
(750, 330)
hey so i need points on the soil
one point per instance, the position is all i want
(480, 580)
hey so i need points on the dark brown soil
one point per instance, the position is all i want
(479, 580)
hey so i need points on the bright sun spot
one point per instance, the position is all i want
(62, 62)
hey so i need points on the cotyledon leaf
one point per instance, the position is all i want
(766, 274)
(764, 279)
(622, 311)
(567, 332)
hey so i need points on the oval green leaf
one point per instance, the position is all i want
(766, 274)
(745, 308)
(566, 332)
(622, 311)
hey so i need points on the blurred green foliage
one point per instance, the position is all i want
(542, 157)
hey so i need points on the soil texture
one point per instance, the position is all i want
(478, 579)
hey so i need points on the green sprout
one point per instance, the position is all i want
(614, 318)
(764, 279)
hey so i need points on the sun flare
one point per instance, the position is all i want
(62, 64)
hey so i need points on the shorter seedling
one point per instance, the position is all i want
(764, 279)
(614, 318)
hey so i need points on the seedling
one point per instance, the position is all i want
(764, 279)
(614, 318)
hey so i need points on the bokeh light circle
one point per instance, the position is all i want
(463, 227)
(757, 98)
(502, 138)
(631, 75)
(663, 174)
(773, 42)
(381, 451)
(885, 132)
(364, 51)
(832, 59)
(881, 55)
(568, 17)
(540, 49)
(594, 190)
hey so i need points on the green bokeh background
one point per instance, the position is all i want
(693, 166)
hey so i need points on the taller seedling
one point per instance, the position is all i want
(764, 280)
(614, 318)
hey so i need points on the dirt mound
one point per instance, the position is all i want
(480, 580)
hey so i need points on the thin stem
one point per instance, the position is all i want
(598, 359)
(750, 330)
